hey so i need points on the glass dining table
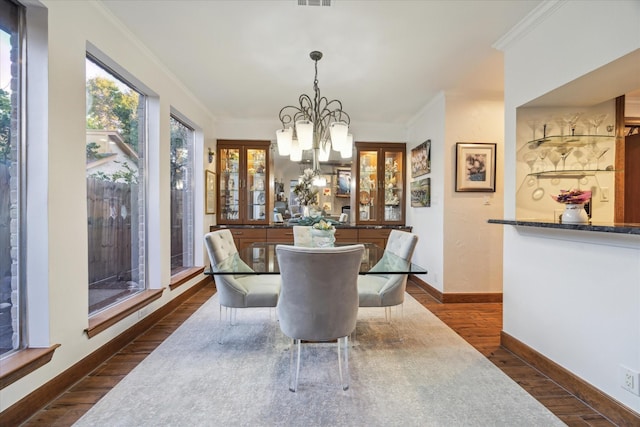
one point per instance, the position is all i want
(260, 258)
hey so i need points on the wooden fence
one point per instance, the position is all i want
(109, 227)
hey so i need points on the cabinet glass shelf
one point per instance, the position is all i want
(567, 141)
(569, 173)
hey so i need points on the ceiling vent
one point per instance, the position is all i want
(314, 2)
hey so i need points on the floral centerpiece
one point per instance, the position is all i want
(573, 201)
(323, 225)
(572, 197)
(323, 234)
(306, 193)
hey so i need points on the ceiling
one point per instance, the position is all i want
(385, 60)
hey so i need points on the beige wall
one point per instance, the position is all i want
(63, 287)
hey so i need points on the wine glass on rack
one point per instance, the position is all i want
(572, 121)
(596, 121)
(564, 151)
(542, 155)
(530, 159)
(599, 153)
(533, 125)
(554, 158)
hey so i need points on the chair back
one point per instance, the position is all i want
(220, 246)
(319, 294)
(402, 244)
(302, 235)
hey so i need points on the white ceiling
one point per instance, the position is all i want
(384, 60)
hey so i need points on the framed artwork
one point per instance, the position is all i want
(209, 192)
(421, 193)
(343, 188)
(475, 166)
(421, 159)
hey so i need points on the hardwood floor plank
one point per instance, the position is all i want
(478, 324)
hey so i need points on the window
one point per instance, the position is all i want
(11, 189)
(116, 178)
(182, 202)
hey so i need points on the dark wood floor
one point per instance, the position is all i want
(479, 324)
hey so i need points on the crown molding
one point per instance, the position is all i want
(528, 23)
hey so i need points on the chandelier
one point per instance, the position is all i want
(316, 124)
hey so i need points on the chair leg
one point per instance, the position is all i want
(344, 379)
(293, 383)
(387, 314)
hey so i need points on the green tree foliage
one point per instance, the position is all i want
(111, 109)
(5, 126)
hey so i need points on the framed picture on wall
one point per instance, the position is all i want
(421, 193)
(475, 166)
(210, 192)
(421, 159)
(343, 188)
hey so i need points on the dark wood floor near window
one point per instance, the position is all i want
(478, 324)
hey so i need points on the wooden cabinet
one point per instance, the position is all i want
(280, 235)
(245, 237)
(346, 235)
(243, 180)
(377, 236)
(380, 186)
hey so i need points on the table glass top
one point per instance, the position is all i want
(260, 258)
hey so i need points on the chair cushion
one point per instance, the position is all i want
(381, 291)
(262, 290)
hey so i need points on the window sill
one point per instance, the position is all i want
(23, 362)
(111, 316)
(184, 276)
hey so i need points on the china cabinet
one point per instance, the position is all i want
(380, 190)
(243, 182)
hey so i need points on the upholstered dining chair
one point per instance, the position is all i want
(387, 290)
(302, 235)
(319, 299)
(238, 290)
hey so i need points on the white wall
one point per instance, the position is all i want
(473, 247)
(72, 25)
(428, 222)
(572, 296)
(469, 259)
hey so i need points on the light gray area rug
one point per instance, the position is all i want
(413, 372)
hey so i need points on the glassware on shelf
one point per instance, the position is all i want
(599, 153)
(530, 159)
(533, 125)
(596, 120)
(542, 154)
(572, 121)
(554, 158)
(564, 151)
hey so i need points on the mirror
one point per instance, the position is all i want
(286, 175)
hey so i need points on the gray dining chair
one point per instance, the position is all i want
(387, 290)
(319, 299)
(238, 290)
(302, 235)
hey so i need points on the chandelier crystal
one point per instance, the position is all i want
(317, 123)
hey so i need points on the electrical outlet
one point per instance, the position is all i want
(604, 194)
(629, 380)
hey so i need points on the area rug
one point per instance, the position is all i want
(414, 371)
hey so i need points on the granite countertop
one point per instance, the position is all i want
(621, 228)
(286, 225)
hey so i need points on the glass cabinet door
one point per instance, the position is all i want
(229, 195)
(368, 185)
(257, 184)
(393, 186)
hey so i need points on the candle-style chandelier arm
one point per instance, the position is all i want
(314, 124)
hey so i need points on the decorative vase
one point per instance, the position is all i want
(574, 213)
(306, 211)
(323, 238)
